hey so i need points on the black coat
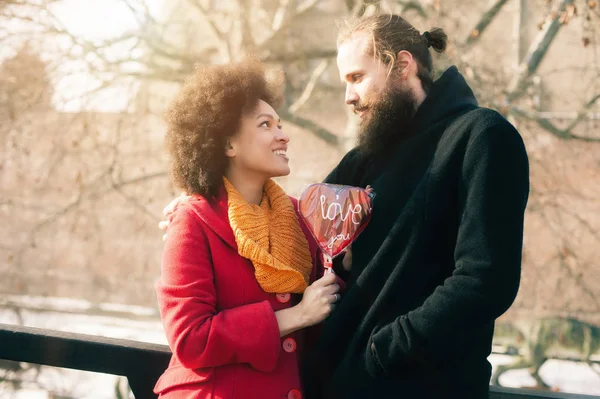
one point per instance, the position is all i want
(439, 261)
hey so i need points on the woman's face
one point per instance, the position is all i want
(259, 148)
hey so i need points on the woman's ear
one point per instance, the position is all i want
(229, 150)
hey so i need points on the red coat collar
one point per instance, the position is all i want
(214, 214)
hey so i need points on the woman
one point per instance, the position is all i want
(237, 257)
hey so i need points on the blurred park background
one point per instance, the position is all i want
(84, 175)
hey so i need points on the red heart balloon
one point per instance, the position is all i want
(335, 214)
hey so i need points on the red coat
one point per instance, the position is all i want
(219, 322)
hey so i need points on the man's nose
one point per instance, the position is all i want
(351, 96)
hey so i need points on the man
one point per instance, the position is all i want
(441, 257)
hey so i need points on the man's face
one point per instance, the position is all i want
(384, 101)
(365, 76)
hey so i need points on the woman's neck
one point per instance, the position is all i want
(251, 188)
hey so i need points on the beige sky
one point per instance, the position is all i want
(96, 20)
(93, 20)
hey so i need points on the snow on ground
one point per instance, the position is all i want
(567, 376)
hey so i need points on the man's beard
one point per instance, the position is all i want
(388, 121)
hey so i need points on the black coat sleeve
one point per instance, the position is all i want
(494, 190)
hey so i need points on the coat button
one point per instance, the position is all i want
(283, 298)
(294, 394)
(289, 345)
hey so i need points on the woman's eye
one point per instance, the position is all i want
(265, 123)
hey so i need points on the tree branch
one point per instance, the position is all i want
(311, 126)
(544, 123)
(95, 193)
(133, 200)
(537, 51)
(211, 24)
(295, 56)
(286, 19)
(305, 6)
(413, 5)
(484, 22)
(581, 114)
(310, 86)
(219, 36)
(244, 15)
(280, 14)
(144, 17)
(98, 49)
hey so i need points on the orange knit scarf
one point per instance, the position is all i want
(270, 236)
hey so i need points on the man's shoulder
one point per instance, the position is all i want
(480, 124)
(478, 130)
(481, 119)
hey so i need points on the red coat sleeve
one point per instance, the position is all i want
(197, 333)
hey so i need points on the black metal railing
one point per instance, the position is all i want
(141, 363)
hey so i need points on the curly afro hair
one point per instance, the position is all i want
(205, 113)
